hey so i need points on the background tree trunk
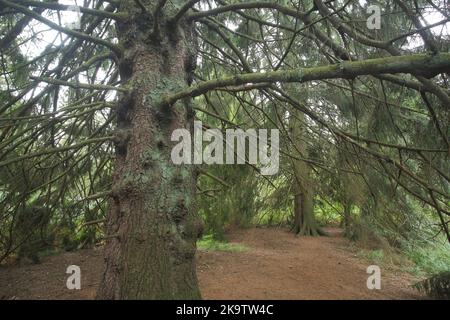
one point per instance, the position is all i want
(304, 221)
(347, 218)
(152, 225)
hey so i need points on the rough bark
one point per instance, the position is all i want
(152, 226)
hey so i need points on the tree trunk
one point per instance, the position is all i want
(346, 221)
(152, 225)
(304, 220)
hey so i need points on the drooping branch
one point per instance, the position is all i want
(424, 33)
(354, 34)
(83, 36)
(7, 39)
(248, 5)
(229, 43)
(383, 158)
(62, 7)
(413, 64)
(79, 85)
(185, 8)
(55, 150)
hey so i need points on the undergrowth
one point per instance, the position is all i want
(210, 244)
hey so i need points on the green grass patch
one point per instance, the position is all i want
(210, 244)
(422, 260)
(375, 256)
(387, 258)
(430, 259)
(49, 252)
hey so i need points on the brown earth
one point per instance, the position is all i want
(276, 265)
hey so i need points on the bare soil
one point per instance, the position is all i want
(276, 265)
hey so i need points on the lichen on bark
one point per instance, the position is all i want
(152, 223)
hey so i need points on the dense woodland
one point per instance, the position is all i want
(87, 112)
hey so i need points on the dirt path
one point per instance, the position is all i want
(277, 265)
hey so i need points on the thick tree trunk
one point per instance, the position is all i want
(304, 220)
(152, 224)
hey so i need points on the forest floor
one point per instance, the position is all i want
(275, 265)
